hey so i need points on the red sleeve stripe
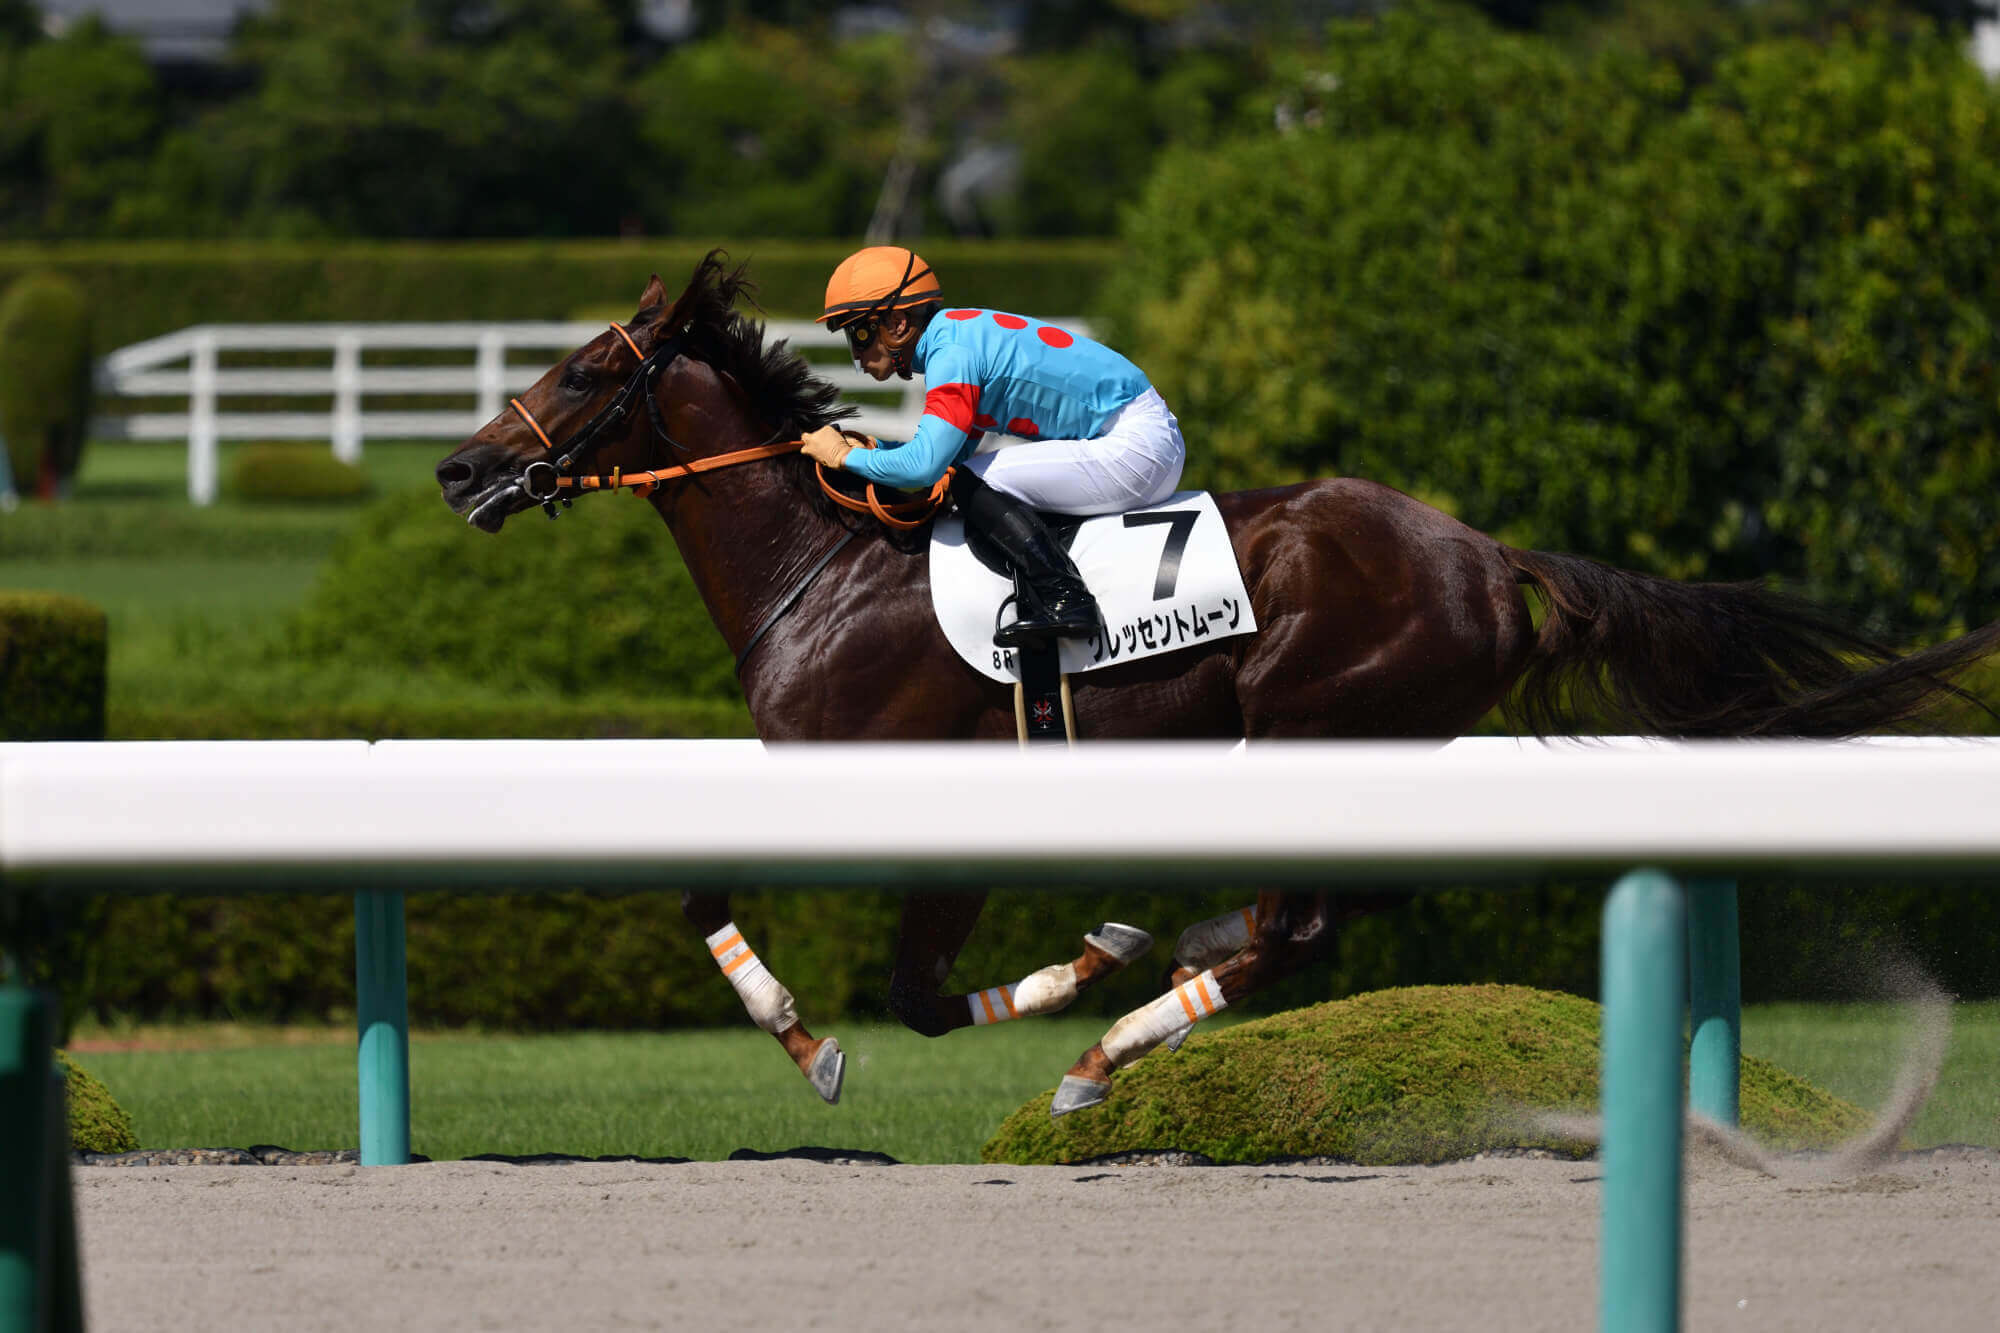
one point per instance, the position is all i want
(954, 403)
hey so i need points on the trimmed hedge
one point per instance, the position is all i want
(52, 668)
(140, 290)
(45, 369)
(586, 959)
(583, 959)
(531, 718)
(287, 471)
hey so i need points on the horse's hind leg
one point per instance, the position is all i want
(935, 928)
(1292, 931)
(770, 1004)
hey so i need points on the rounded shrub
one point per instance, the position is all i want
(44, 381)
(52, 668)
(97, 1123)
(1424, 1074)
(295, 471)
(599, 601)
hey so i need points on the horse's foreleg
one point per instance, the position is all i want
(1283, 941)
(1202, 946)
(764, 996)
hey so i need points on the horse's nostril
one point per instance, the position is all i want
(452, 472)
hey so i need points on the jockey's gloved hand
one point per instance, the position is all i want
(825, 445)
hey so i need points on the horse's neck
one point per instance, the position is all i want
(746, 534)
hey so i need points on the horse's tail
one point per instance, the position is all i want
(1716, 659)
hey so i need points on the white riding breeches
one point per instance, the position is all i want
(1136, 462)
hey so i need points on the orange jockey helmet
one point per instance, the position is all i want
(868, 285)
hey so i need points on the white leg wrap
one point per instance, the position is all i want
(1143, 1029)
(769, 1003)
(1048, 990)
(1044, 992)
(1207, 943)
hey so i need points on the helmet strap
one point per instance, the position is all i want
(901, 345)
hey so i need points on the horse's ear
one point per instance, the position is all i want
(655, 296)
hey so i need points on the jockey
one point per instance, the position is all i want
(1093, 435)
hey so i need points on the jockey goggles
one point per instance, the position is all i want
(860, 333)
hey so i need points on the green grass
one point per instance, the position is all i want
(1851, 1050)
(194, 595)
(703, 1094)
(197, 599)
(699, 1094)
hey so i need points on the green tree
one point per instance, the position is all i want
(762, 132)
(1084, 124)
(1745, 330)
(448, 118)
(82, 119)
(1857, 185)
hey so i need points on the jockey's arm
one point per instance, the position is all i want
(917, 462)
(944, 434)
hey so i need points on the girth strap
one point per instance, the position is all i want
(790, 599)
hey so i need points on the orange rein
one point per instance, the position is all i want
(920, 507)
(645, 483)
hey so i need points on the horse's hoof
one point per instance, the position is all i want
(1073, 1094)
(829, 1067)
(1177, 1036)
(1125, 944)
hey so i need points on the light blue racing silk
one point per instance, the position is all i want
(987, 370)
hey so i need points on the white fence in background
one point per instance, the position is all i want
(195, 364)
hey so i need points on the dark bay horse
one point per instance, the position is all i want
(1379, 617)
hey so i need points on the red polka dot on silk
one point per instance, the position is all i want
(1010, 321)
(961, 314)
(1022, 426)
(1054, 336)
(985, 422)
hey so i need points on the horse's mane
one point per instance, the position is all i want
(776, 379)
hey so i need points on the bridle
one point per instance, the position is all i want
(547, 477)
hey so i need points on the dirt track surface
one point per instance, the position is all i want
(782, 1245)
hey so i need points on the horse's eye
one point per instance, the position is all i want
(576, 378)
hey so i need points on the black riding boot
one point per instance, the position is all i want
(1051, 598)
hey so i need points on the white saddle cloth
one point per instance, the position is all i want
(1165, 577)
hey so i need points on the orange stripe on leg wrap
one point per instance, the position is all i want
(768, 1002)
(984, 1010)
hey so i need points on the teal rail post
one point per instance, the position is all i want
(1645, 972)
(65, 1261)
(38, 1279)
(383, 1014)
(1715, 997)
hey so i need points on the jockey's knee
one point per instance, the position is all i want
(918, 1009)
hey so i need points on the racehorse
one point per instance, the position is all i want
(1379, 616)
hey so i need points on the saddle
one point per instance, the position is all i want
(1165, 577)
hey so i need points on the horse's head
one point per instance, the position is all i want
(580, 417)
